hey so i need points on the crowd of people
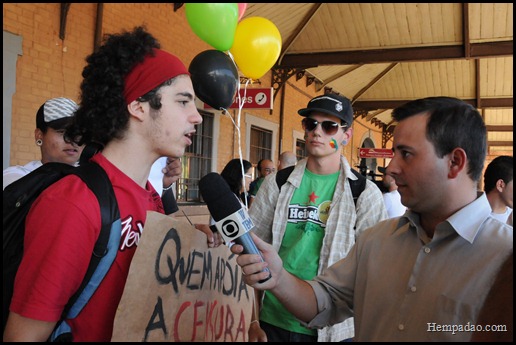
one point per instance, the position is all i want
(384, 267)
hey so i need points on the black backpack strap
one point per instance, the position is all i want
(283, 174)
(89, 151)
(106, 246)
(357, 186)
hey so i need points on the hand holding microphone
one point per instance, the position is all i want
(231, 219)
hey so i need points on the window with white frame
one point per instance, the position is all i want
(261, 139)
(299, 145)
(197, 161)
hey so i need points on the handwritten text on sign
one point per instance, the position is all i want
(179, 290)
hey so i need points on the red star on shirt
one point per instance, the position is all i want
(312, 197)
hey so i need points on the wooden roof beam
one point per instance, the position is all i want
(388, 104)
(353, 57)
(500, 143)
(499, 128)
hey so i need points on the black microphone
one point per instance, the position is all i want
(231, 219)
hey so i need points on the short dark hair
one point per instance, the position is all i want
(500, 168)
(453, 123)
(259, 165)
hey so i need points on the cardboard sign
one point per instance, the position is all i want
(179, 290)
(375, 153)
(255, 98)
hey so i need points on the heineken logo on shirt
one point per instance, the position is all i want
(311, 213)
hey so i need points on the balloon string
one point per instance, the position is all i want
(232, 59)
(241, 102)
(240, 106)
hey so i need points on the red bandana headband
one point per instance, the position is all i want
(152, 72)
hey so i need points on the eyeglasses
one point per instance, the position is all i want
(329, 127)
(269, 170)
(248, 176)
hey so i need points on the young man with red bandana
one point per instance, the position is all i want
(138, 102)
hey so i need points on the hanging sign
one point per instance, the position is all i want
(255, 98)
(375, 153)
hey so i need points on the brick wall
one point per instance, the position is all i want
(51, 67)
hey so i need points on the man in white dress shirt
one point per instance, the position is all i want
(391, 197)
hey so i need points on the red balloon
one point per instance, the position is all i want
(241, 10)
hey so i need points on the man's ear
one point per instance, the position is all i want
(136, 109)
(500, 185)
(348, 134)
(38, 134)
(458, 162)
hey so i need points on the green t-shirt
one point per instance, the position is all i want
(255, 185)
(301, 245)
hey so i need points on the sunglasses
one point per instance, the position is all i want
(329, 127)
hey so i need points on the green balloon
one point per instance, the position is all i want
(214, 23)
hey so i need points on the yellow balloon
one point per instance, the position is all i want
(256, 47)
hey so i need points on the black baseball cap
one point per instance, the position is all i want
(331, 104)
(55, 113)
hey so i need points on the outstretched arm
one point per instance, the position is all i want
(295, 294)
(19, 328)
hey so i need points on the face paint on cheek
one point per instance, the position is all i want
(334, 144)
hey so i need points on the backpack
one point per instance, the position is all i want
(17, 201)
(357, 186)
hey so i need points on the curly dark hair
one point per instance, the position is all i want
(102, 115)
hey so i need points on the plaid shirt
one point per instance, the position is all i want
(269, 215)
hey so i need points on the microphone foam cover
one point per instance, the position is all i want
(219, 198)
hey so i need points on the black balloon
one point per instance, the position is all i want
(215, 78)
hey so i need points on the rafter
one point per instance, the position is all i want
(500, 143)
(499, 128)
(337, 76)
(353, 57)
(374, 81)
(389, 104)
(299, 29)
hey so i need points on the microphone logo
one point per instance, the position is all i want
(230, 229)
(234, 225)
